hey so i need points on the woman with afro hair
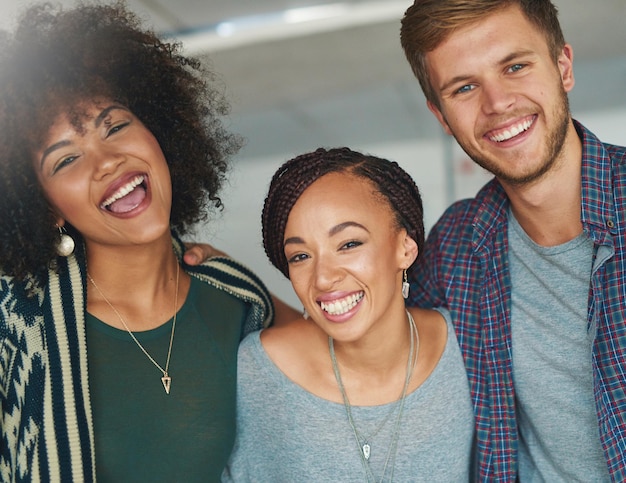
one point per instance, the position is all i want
(117, 360)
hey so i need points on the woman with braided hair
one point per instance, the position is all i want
(361, 389)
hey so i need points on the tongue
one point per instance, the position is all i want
(130, 201)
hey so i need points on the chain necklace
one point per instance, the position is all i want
(363, 443)
(166, 380)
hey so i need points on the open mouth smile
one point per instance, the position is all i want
(511, 132)
(343, 305)
(126, 197)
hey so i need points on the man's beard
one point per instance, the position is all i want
(555, 143)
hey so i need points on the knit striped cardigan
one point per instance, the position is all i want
(46, 421)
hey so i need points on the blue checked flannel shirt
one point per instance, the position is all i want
(465, 267)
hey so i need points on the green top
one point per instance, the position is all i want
(142, 433)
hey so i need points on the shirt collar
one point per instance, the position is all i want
(598, 208)
(597, 195)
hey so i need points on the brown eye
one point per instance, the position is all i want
(116, 128)
(351, 244)
(63, 163)
(297, 258)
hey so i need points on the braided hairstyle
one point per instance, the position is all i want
(288, 183)
(56, 60)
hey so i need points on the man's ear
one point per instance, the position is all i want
(565, 63)
(440, 117)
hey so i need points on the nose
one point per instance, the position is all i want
(497, 97)
(327, 273)
(106, 161)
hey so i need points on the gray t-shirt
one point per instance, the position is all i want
(286, 434)
(552, 362)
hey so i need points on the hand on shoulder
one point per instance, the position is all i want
(196, 253)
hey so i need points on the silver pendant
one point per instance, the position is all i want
(366, 451)
(167, 382)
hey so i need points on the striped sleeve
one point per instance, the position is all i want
(234, 278)
(68, 427)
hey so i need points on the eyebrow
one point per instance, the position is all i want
(333, 231)
(97, 122)
(49, 149)
(453, 81)
(105, 112)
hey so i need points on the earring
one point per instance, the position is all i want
(65, 245)
(305, 314)
(405, 286)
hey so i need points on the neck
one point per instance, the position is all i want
(136, 265)
(549, 208)
(380, 352)
(374, 385)
(140, 282)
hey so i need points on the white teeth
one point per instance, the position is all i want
(341, 306)
(124, 190)
(512, 132)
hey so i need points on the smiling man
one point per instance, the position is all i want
(533, 268)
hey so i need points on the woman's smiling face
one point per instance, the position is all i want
(109, 178)
(346, 255)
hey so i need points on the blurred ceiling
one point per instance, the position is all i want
(306, 73)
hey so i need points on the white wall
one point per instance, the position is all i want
(238, 228)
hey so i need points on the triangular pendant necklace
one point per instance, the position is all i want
(167, 381)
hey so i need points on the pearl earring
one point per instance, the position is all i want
(65, 245)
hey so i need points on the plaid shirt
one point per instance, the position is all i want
(465, 267)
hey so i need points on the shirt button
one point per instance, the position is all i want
(610, 223)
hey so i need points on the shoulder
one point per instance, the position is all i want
(278, 354)
(293, 341)
(228, 275)
(299, 349)
(593, 147)
(459, 217)
(617, 153)
(211, 294)
(490, 191)
(217, 309)
(432, 326)
(432, 330)
(249, 354)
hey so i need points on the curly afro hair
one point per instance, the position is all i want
(57, 59)
(288, 183)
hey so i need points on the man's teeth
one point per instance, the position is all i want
(338, 307)
(124, 190)
(512, 132)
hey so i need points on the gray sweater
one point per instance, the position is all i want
(286, 434)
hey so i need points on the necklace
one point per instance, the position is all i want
(363, 443)
(166, 380)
